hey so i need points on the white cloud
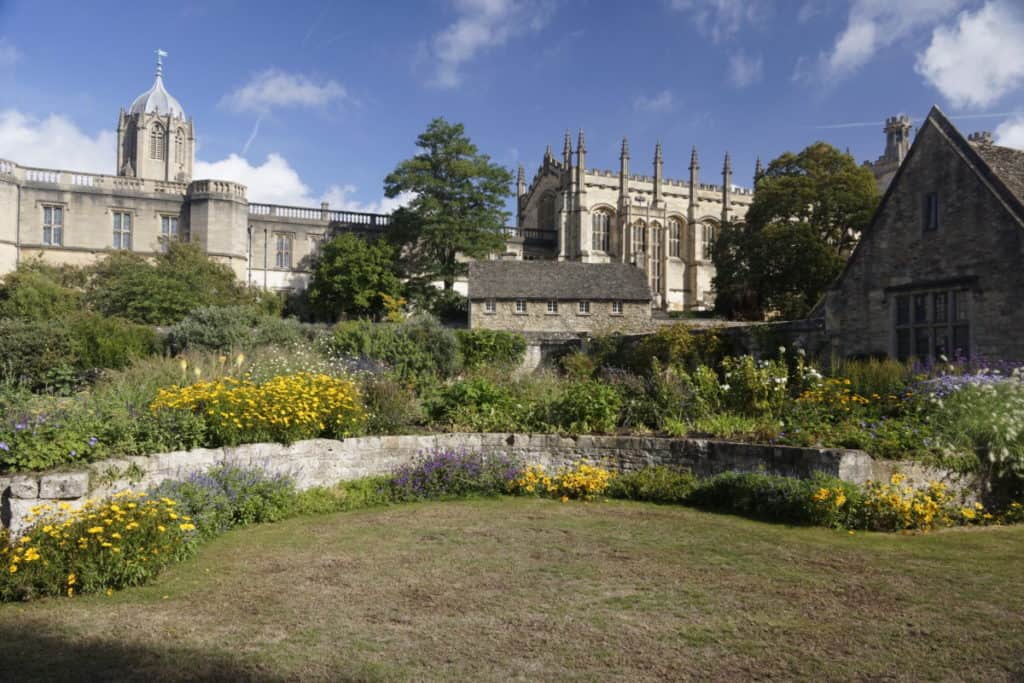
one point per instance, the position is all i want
(661, 102)
(1010, 133)
(722, 19)
(744, 71)
(481, 24)
(55, 142)
(9, 55)
(980, 58)
(871, 26)
(275, 88)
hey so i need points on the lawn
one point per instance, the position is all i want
(524, 589)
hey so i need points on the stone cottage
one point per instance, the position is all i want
(939, 271)
(552, 296)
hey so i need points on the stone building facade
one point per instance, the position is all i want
(552, 297)
(665, 227)
(897, 144)
(70, 217)
(938, 272)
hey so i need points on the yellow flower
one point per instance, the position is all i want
(187, 527)
(72, 579)
(110, 591)
(95, 530)
(161, 528)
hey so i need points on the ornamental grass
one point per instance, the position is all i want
(285, 409)
(123, 541)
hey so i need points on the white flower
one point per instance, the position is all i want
(723, 387)
(782, 350)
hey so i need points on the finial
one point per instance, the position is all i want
(580, 146)
(727, 167)
(693, 158)
(160, 54)
(547, 152)
(625, 149)
(657, 151)
(522, 174)
(567, 147)
(758, 169)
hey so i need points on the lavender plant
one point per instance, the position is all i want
(449, 473)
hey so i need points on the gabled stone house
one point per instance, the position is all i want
(940, 270)
(553, 296)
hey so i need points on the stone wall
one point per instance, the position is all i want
(322, 462)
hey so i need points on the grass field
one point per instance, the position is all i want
(523, 589)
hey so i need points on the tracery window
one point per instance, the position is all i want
(283, 257)
(657, 235)
(639, 237)
(546, 211)
(157, 142)
(599, 231)
(675, 236)
(710, 234)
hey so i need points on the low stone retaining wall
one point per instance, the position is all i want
(322, 462)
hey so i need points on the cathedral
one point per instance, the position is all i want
(72, 217)
(664, 226)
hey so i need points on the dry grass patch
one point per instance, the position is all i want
(524, 589)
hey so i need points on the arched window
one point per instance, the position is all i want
(179, 146)
(599, 231)
(675, 237)
(639, 237)
(710, 235)
(657, 235)
(157, 142)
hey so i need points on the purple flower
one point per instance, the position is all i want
(4, 446)
(93, 441)
(21, 425)
(73, 453)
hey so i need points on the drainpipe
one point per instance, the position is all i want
(266, 257)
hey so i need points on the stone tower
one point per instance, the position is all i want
(155, 140)
(897, 144)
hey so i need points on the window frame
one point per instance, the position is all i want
(52, 227)
(119, 217)
(552, 307)
(520, 307)
(935, 318)
(930, 217)
(600, 231)
(617, 308)
(675, 237)
(490, 307)
(583, 307)
(289, 240)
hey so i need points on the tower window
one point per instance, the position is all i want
(53, 225)
(157, 142)
(122, 230)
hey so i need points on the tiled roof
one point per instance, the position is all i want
(565, 280)
(1007, 164)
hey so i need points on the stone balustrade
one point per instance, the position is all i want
(76, 180)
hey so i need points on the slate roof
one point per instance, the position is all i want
(564, 280)
(1007, 164)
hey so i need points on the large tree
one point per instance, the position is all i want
(354, 278)
(457, 207)
(808, 212)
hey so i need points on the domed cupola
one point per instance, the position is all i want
(154, 138)
(157, 100)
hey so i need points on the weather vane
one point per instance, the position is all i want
(160, 54)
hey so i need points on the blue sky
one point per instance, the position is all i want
(319, 100)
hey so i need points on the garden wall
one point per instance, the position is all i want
(322, 462)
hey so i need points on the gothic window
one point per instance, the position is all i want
(709, 236)
(656, 251)
(157, 142)
(122, 230)
(932, 325)
(283, 257)
(168, 230)
(53, 225)
(639, 237)
(179, 146)
(599, 231)
(675, 236)
(546, 212)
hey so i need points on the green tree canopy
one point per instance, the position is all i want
(162, 291)
(352, 277)
(457, 207)
(808, 212)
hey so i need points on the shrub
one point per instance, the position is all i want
(283, 409)
(578, 365)
(586, 407)
(124, 541)
(391, 406)
(344, 496)
(99, 342)
(414, 349)
(228, 496)
(675, 345)
(490, 348)
(477, 404)
(444, 473)
(656, 484)
(352, 276)
(31, 294)
(213, 328)
(37, 354)
(881, 377)
(449, 307)
(987, 419)
(753, 387)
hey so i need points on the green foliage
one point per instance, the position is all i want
(99, 342)
(874, 376)
(344, 496)
(392, 406)
(414, 349)
(578, 365)
(479, 404)
(351, 277)
(808, 209)
(457, 206)
(754, 387)
(31, 293)
(37, 354)
(587, 407)
(165, 290)
(490, 348)
(228, 496)
(656, 484)
(448, 306)
(227, 328)
(987, 419)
